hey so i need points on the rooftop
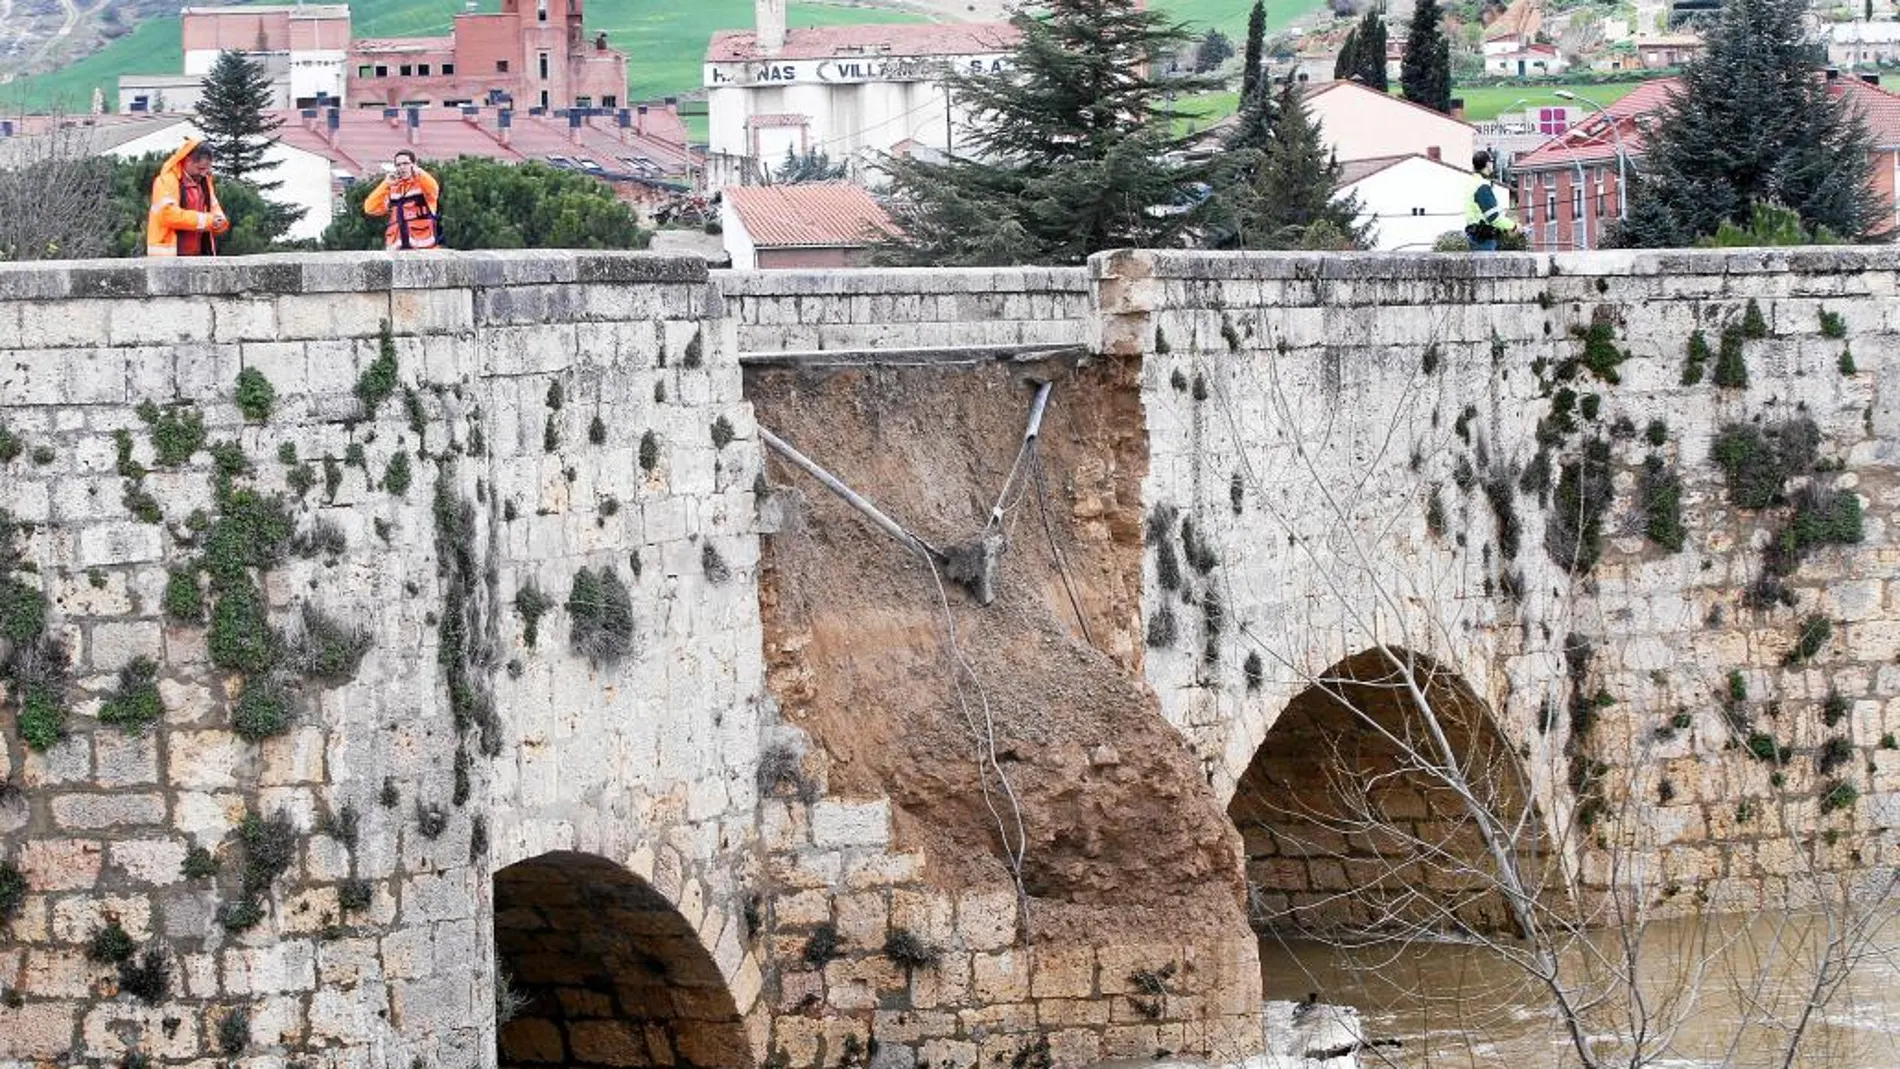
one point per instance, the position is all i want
(1355, 171)
(364, 139)
(1590, 141)
(855, 42)
(816, 215)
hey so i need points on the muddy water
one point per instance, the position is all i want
(1724, 992)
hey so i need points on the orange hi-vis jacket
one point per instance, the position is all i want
(409, 206)
(168, 215)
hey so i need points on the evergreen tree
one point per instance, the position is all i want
(1754, 124)
(234, 114)
(1071, 150)
(1347, 63)
(1286, 199)
(1256, 47)
(1369, 56)
(1214, 50)
(1425, 74)
(814, 166)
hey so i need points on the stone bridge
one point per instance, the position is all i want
(420, 661)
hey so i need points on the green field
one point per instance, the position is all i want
(664, 40)
(1483, 103)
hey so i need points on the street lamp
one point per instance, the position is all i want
(1616, 138)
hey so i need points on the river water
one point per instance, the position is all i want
(1719, 993)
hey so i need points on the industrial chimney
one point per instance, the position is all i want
(768, 17)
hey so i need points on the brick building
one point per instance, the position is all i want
(1567, 194)
(533, 52)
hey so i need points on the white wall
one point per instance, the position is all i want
(305, 175)
(848, 119)
(739, 246)
(1360, 124)
(1411, 203)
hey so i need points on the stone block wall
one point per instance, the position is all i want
(782, 312)
(328, 880)
(875, 959)
(1353, 445)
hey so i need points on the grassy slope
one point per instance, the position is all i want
(1485, 102)
(664, 39)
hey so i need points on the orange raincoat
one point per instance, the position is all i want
(409, 207)
(168, 215)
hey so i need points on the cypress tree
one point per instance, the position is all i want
(1283, 198)
(1347, 65)
(1071, 151)
(1369, 66)
(1754, 125)
(1426, 73)
(1256, 45)
(234, 115)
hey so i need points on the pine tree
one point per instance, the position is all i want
(1256, 48)
(234, 113)
(1287, 199)
(1426, 73)
(1214, 50)
(1754, 124)
(1347, 64)
(1369, 65)
(1070, 151)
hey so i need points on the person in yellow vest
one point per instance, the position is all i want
(406, 198)
(1485, 216)
(185, 218)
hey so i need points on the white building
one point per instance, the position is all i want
(1409, 200)
(849, 91)
(1358, 123)
(1849, 43)
(304, 48)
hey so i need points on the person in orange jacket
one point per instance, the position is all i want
(185, 218)
(406, 197)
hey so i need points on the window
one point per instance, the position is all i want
(364, 71)
(422, 70)
(544, 100)
(1600, 212)
(448, 69)
(1576, 201)
(1550, 197)
(406, 70)
(544, 66)
(540, 11)
(501, 66)
(382, 71)
(583, 102)
(610, 101)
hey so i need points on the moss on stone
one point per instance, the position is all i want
(255, 396)
(136, 702)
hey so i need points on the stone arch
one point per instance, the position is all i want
(608, 972)
(1349, 821)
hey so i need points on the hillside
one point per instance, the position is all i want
(664, 40)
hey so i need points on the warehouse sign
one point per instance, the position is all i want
(850, 70)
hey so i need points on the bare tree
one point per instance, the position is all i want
(55, 195)
(1401, 814)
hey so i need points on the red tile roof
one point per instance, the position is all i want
(1590, 141)
(836, 42)
(1352, 172)
(823, 215)
(364, 139)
